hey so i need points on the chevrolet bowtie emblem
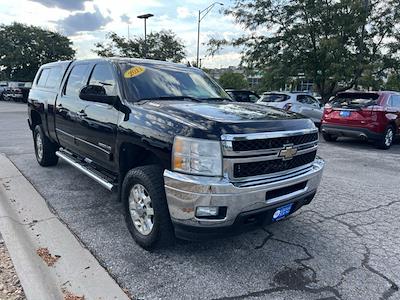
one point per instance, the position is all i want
(287, 152)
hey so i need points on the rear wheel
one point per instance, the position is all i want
(146, 210)
(45, 150)
(329, 138)
(386, 141)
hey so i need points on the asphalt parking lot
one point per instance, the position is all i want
(344, 245)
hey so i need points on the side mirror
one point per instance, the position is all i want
(96, 93)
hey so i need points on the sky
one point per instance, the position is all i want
(87, 22)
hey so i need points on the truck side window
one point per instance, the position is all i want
(76, 80)
(54, 77)
(102, 75)
(41, 82)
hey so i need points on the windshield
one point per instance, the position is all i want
(274, 98)
(354, 100)
(155, 81)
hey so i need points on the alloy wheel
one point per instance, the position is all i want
(389, 137)
(39, 147)
(141, 210)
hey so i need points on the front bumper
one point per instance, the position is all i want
(186, 192)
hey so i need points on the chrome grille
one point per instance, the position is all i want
(267, 155)
(279, 142)
(272, 166)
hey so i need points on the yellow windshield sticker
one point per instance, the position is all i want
(134, 71)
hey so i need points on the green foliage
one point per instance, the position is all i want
(393, 82)
(231, 80)
(273, 80)
(339, 44)
(23, 49)
(163, 45)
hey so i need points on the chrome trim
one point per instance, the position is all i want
(105, 146)
(227, 139)
(272, 177)
(266, 135)
(186, 192)
(284, 197)
(268, 157)
(231, 153)
(84, 141)
(65, 133)
(85, 171)
(228, 165)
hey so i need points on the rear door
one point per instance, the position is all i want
(98, 125)
(309, 107)
(394, 104)
(69, 106)
(316, 111)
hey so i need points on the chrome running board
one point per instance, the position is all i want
(88, 170)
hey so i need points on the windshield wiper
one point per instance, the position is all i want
(172, 98)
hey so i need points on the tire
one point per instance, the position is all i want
(386, 141)
(45, 150)
(159, 232)
(329, 138)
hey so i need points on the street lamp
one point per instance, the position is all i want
(202, 14)
(145, 17)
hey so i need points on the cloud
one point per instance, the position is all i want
(183, 12)
(71, 5)
(125, 19)
(83, 21)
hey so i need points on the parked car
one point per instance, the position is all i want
(186, 161)
(3, 86)
(243, 95)
(17, 91)
(371, 116)
(302, 103)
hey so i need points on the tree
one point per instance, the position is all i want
(273, 80)
(163, 45)
(23, 49)
(333, 42)
(393, 82)
(231, 80)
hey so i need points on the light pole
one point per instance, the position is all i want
(145, 17)
(202, 14)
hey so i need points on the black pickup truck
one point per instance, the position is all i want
(185, 159)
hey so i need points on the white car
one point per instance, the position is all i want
(301, 103)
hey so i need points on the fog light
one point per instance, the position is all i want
(207, 211)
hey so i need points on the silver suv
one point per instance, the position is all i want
(302, 103)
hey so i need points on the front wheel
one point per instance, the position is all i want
(146, 210)
(386, 141)
(45, 150)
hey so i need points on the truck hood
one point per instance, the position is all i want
(217, 118)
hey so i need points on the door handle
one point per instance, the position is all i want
(60, 108)
(82, 114)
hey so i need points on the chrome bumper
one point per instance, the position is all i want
(186, 192)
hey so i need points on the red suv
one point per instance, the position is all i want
(367, 115)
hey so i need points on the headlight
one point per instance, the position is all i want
(197, 156)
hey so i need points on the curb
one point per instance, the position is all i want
(27, 224)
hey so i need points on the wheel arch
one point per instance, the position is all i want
(395, 127)
(131, 155)
(35, 119)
